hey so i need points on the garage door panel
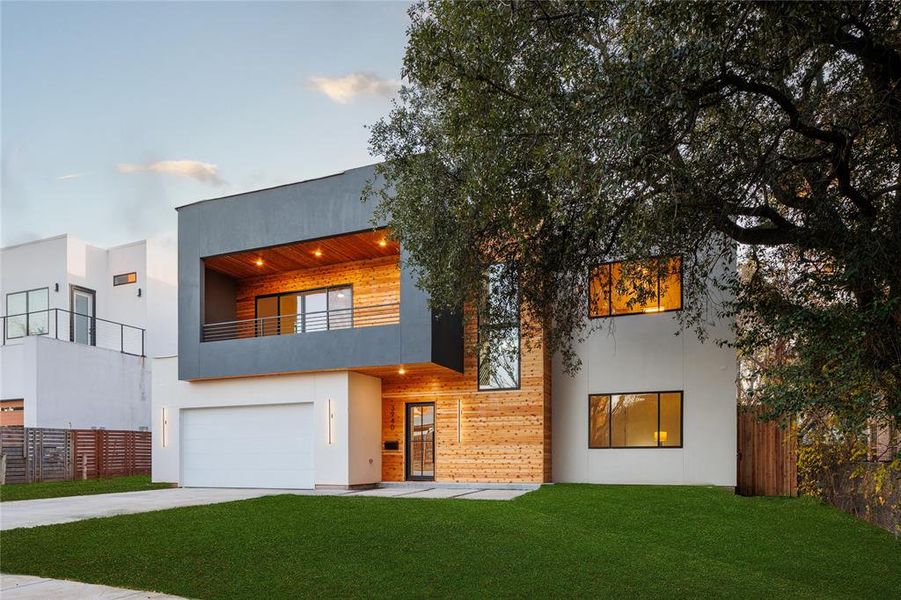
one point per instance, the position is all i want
(248, 446)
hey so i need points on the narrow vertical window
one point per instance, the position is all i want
(498, 330)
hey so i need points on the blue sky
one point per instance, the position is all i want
(114, 113)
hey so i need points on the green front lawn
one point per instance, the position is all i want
(563, 540)
(56, 489)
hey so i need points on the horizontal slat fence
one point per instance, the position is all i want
(38, 454)
(767, 456)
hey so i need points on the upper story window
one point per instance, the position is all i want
(287, 313)
(125, 278)
(644, 420)
(634, 287)
(27, 313)
(498, 330)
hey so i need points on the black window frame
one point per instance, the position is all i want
(278, 315)
(135, 273)
(610, 313)
(610, 395)
(26, 314)
(516, 323)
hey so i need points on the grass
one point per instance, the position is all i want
(57, 489)
(561, 541)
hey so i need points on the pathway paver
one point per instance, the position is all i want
(494, 495)
(26, 587)
(442, 493)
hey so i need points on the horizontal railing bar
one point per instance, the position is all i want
(76, 314)
(300, 323)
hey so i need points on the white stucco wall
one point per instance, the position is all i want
(68, 385)
(642, 354)
(13, 374)
(354, 403)
(364, 436)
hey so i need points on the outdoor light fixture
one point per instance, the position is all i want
(383, 242)
(139, 292)
(331, 422)
(258, 262)
(401, 371)
(317, 253)
(55, 287)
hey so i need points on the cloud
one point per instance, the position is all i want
(192, 169)
(345, 89)
(71, 176)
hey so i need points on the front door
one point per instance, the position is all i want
(83, 320)
(421, 441)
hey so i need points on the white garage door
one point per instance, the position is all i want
(268, 446)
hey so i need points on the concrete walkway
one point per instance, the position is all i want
(50, 511)
(25, 587)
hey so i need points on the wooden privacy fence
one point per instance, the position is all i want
(40, 454)
(767, 456)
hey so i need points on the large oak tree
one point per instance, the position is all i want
(551, 136)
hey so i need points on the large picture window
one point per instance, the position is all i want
(27, 313)
(635, 287)
(321, 309)
(499, 333)
(644, 420)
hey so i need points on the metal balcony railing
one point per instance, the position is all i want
(62, 324)
(293, 324)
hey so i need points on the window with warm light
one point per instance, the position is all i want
(498, 330)
(287, 313)
(630, 288)
(125, 278)
(643, 420)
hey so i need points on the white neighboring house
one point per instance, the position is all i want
(78, 323)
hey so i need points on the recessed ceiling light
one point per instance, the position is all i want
(258, 262)
(401, 371)
(317, 253)
(383, 242)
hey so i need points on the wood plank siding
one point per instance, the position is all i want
(309, 254)
(501, 436)
(375, 282)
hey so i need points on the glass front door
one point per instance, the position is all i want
(83, 316)
(421, 441)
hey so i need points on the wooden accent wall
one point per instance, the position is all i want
(375, 281)
(504, 435)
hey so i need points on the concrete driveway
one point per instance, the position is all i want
(49, 511)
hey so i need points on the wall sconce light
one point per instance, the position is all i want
(331, 422)
(55, 287)
(139, 292)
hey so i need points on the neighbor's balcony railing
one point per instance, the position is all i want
(62, 324)
(293, 324)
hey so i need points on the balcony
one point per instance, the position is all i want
(61, 324)
(310, 322)
(296, 279)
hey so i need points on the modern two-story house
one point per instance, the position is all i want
(76, 325)
(308, 357)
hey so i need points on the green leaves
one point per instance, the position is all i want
(558, 135)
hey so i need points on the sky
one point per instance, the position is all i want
(114, 113)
